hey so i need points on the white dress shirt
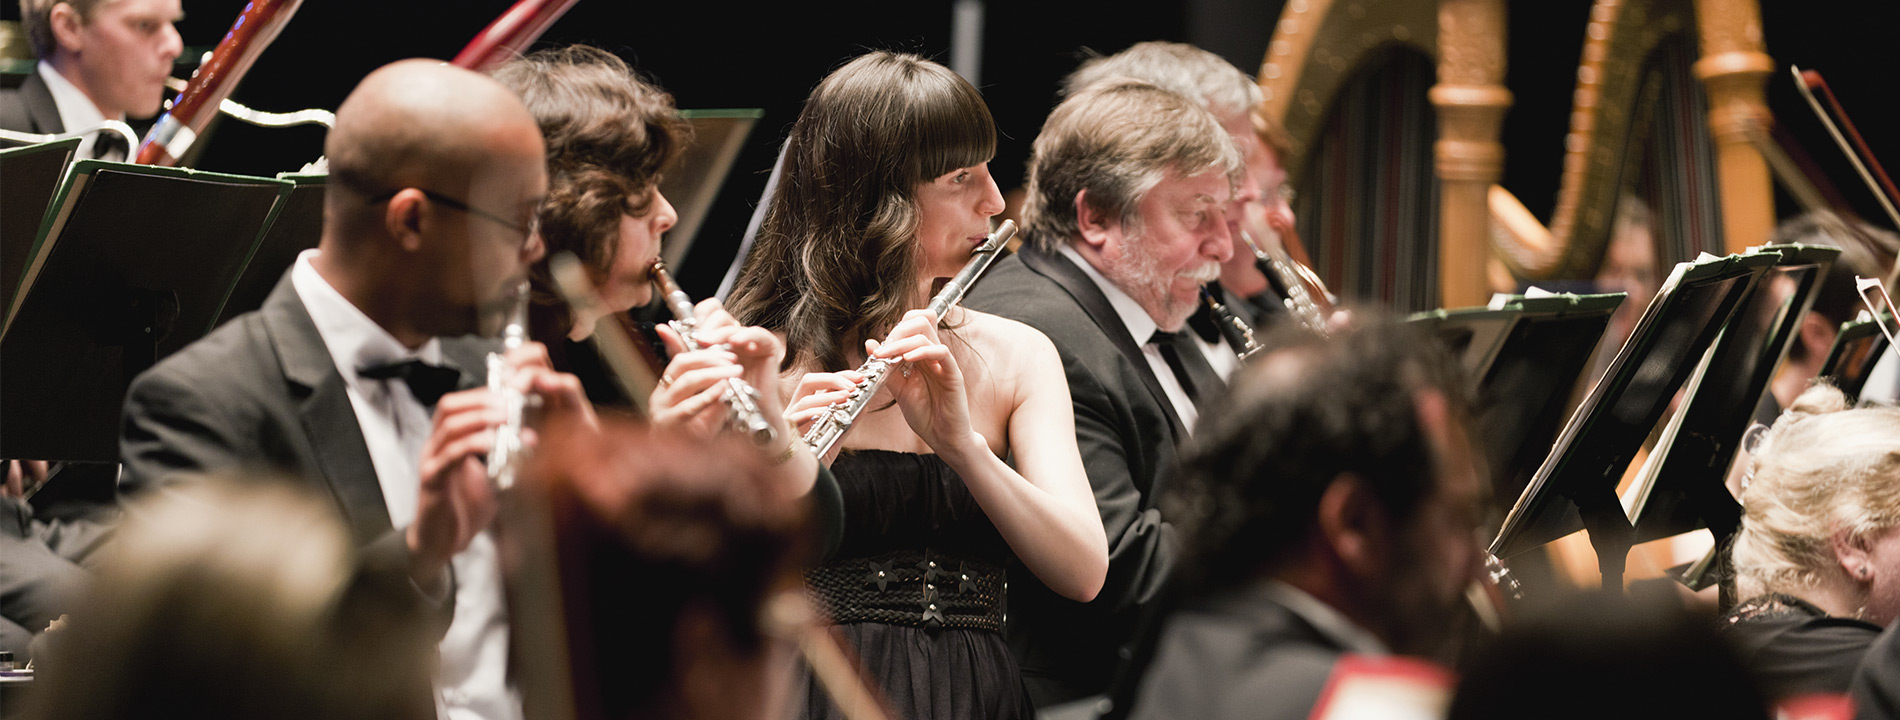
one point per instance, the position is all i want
(1223, 357)
(76, 111)
(473, 681)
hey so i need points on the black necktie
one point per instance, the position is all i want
(427, 382)
(106, 143)
(1189, 365)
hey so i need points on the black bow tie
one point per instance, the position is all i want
(427, 382)
(109, 145)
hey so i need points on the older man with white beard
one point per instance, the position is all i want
(1125, 221)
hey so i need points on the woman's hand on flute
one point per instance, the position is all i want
(815, 393)
(689, 391)
(928, 386)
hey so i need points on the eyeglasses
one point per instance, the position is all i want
(527, 230)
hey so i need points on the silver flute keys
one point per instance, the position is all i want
(831, 426)
(740, 397)
(505, 458)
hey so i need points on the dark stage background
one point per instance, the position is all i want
(769, 55)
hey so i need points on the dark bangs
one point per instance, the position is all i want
(953, 125)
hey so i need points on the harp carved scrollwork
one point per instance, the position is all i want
(1483, 234)
(1320, 49)
(1622, 35)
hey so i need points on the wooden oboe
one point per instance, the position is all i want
(740, 397)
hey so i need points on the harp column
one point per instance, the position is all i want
(1471, 101)
(1735, 70)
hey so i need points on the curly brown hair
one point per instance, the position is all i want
(609, 134)
(835, 260)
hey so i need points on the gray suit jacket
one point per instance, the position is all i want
(1128, 434)
(1241, 656)
(260, 393)
(29, 107)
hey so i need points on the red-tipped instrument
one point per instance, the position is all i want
(1807, 81)
(214, 80)
(511, 33)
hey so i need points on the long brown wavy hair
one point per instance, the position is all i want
(835, 259)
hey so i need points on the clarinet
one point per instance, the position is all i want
(742, 400)
(831, 426)
(1238, 333)
(505, 458)
(1300, 303)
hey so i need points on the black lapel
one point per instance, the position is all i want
(40, 107)
(1077, 283)
(329, 422)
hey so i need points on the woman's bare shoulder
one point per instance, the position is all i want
(1006, 339)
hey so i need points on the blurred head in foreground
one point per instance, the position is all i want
(673, 551)
(1598, 656)
(1340, 467)
(237, 600)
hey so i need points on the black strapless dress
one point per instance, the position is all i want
(916, 590)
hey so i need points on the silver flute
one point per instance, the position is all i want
(836, 420)
(505, 458)
(742, 400)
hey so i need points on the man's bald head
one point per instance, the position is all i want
(424, 123)
(436, 174)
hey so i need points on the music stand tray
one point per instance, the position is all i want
(1857, 349)
(1523, 355)
(32, 174)
(134, 262)
(1683, 486)
(298, 227)
(1575, 487)
(693, 182)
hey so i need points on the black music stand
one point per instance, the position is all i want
(693, 182)
(1575, 487)
(1683, 486)
(31, 175)
(1523, 356)
(1857, 349)
(297, 228)
(134, 263)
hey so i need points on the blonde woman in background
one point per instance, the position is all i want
(1817, 560)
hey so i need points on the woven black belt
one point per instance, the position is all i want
(926, 589)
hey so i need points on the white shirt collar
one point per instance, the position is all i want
(1140, 324)
(353, 339)
(76, 110)
(1329, 622)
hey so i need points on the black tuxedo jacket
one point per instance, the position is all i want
(260, 393)
(1128, 434)
(1242, 656)
(29, 107)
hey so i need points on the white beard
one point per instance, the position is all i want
(1138, 274)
